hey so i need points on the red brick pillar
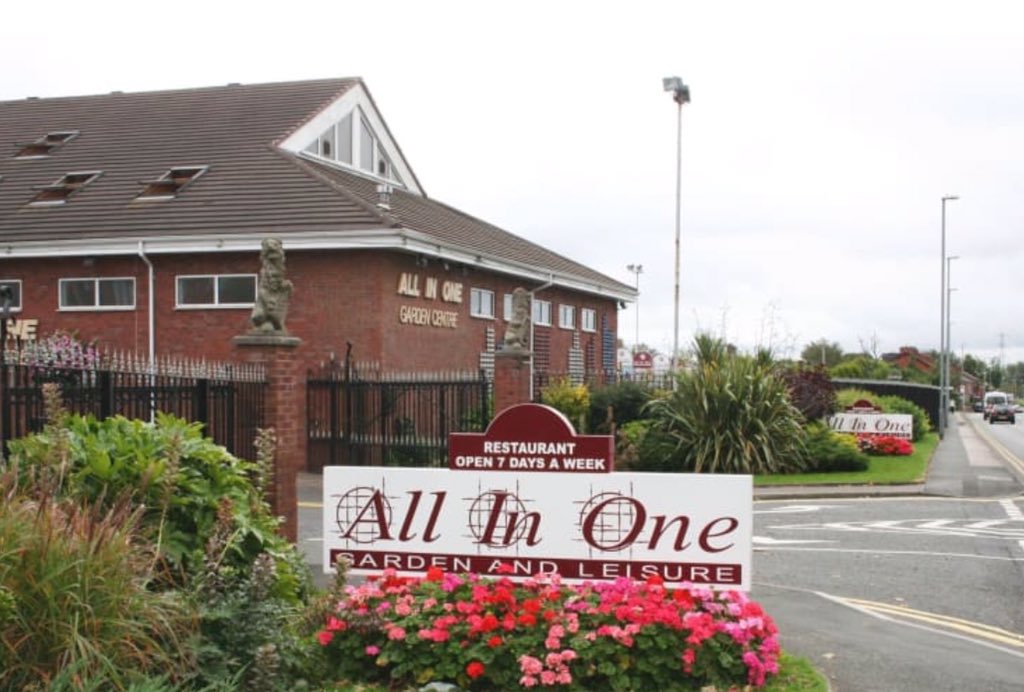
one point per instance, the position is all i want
(285, 411)
(512, 373)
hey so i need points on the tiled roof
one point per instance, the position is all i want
(456, 229)
(252, 187)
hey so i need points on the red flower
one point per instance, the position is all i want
(505, 568)
(475, 669)
(494, 642)
(435, 574)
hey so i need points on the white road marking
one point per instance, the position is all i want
(768, 540)
(795, 509)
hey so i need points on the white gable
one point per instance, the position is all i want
(350, 134)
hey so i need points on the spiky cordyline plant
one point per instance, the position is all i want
(730, 414)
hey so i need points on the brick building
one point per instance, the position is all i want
(135, 220)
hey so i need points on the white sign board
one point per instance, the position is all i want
(692, 528)
(889, 424)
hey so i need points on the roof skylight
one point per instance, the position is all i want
(60, 191)
(45, 145)
(171, 183)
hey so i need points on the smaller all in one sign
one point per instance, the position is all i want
(569, 514)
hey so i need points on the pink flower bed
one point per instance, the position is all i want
(484, 634)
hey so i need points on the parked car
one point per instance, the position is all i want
(979, 406)
(1002, 412)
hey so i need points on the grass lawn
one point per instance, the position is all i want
(881, 470)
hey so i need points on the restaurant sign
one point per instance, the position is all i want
(574, 518)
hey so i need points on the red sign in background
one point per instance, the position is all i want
(531, 437)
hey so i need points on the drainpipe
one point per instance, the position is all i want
(533, 355)
(152, 331)
(152, 302)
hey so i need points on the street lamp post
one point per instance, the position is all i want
(637, 270)
(942, 326)
(949, 310)
(681, 95)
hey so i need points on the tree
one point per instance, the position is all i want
(975, 366)
(822, 352)
(861, 368)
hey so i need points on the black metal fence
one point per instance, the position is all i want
(597, 379)
(358, 415)
(226, 399)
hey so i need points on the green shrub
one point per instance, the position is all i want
(205, 514)
(829, 451)
(178, 476)
(78, 608)
(730, 414)
(573, 400)
(616, 405)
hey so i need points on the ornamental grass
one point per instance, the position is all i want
(483, 634)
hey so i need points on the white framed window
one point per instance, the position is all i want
(588, 319)
(567, 316)
(542, 312)
(14, 286)
(215, 291)
(97, 294)
(506, 307)
(481, 302)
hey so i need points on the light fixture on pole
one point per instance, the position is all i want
(949, 310)
(942, 325)
(681, 95)
(637, 270)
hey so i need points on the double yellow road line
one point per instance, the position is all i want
(977, 631)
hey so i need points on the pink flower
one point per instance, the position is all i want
(372, 650)
(396, 633)
(325, 637)
(547, 677)
(530, 665)
(528, 681)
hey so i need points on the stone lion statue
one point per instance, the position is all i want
(517, 333)
(273, 290)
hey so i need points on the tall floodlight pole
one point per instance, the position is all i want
(949, 310)
(942, 325)
(681, 95)
(637, 270)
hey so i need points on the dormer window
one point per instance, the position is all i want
(171, 183)
(45, 145)
(60, 191)
(352, 142)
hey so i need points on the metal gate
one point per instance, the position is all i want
(361, 416)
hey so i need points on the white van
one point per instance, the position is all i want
(992, 399)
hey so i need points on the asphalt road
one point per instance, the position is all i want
(897, 594)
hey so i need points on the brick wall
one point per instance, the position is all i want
(339, 297)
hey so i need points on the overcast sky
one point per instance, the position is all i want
(820, 139)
